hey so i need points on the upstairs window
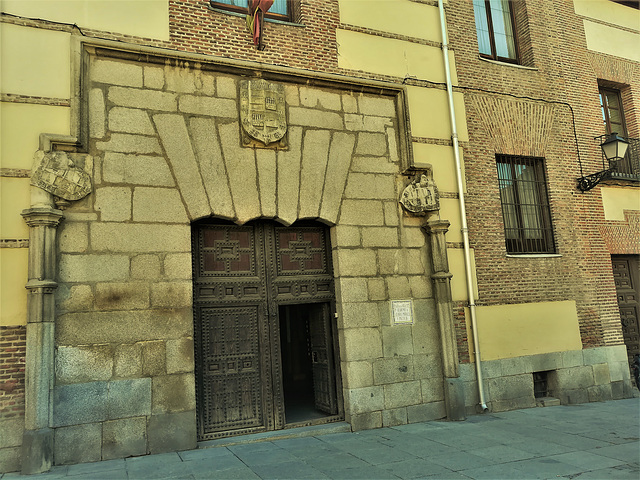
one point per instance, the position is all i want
(280, 10)
(612, 115)
(525, 205)
(496, 30)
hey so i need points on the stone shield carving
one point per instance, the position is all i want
(262, 111)
(421, 196)
(55, 173)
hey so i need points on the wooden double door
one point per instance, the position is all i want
(265, 343)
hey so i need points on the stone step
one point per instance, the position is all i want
(298, 432)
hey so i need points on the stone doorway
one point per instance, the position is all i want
(265, 338)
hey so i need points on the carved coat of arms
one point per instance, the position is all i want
(421, 196)
(262, 112)
(54, 172)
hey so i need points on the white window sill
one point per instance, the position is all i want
(534, 255)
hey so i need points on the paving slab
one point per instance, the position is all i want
(622, 471)
(97, 467)
(338, 461)
(501, 453)
(288, 470)
(414, 468)
(493, 471)
(628, 452)
(587, 461)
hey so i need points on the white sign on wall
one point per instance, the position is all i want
(402, 312)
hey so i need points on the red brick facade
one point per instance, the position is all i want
(12, 359)
(550, 109)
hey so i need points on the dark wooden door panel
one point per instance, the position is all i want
(625, 275)
(324, 385)
(231, 368)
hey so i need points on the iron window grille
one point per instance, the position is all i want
(525, 205)
(280, 10)
(540, 384)
(495, 26)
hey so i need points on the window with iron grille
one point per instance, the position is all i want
(495, 27)
(280, 10)
(525, 205)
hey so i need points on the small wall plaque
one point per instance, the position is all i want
(402, 312)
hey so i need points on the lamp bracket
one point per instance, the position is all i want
(590, 181)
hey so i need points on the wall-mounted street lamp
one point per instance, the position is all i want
(614, 149)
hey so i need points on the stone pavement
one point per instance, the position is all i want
(593, 440)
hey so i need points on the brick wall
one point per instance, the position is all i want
(622, 236)
(12, 353)
(550, 109)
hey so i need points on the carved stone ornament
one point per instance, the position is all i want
(421, 196)
(54, 172)
(262, 112)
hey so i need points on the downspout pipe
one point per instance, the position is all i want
(463, 210)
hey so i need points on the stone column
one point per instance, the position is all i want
(37, 444)
(454, 393)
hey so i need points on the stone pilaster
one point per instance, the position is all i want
(37, 445)
(441, 277)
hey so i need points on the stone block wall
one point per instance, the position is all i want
(166, 147)
(574, 376)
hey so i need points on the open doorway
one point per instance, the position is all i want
(308, 370)
(247, 278)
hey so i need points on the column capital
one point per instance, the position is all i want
(46, 286)
(437, 226)
(42, 216)
(440, 276)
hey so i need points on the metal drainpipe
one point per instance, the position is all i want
(463, 211)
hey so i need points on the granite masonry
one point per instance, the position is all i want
(166, 148)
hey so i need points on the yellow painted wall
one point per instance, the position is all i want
(22, 124)
(35, 62)
(444, 166)
(143, 18)
(14, 197)
(450, 210)
(457, 269)
(388, 56)
(616, 200)
(506, 331)
(612, 41)
(401, 17)
(609, 12)
(429, 111)
(13, 278)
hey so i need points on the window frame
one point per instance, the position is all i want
(604, 108)
(243, 10)
(492, 41)
(521, 244)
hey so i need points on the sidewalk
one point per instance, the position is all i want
(587, 441)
